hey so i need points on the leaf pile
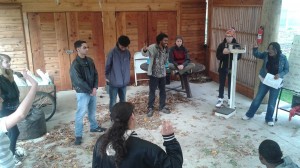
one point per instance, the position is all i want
(140, 101)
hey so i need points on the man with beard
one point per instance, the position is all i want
(158, 56)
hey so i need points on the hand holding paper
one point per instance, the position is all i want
(272, 81)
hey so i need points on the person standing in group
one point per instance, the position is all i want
(121, 147)
(225, 64)
(10, 94)
(117, 70)
(84, 79)
(7, 159)
(179, 58)
(274, 63)
(158, 56)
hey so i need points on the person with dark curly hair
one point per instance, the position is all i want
(120, 147)
(158, 57)
(117, 70)
(275, 63)
(270, 155)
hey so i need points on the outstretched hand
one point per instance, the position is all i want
(167, 128)
(29, 78)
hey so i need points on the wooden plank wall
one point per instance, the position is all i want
(245, 17)
(12, 36)
(109, 8)
(192, 29)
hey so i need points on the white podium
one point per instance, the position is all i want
(227, 112)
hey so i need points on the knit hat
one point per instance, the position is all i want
(122, 111)
(230, 32)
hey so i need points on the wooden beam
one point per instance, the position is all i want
(109, 30)
(73, 6)
(27, 42)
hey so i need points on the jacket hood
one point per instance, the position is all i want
(7, 73)
(287, 163)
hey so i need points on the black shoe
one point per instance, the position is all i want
(98, 129)
(165, 110)
(78, 140)
(150, 112)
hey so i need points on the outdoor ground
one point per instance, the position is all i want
(207, 141)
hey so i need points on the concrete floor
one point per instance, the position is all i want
(206, 140)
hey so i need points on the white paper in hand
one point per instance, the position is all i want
(270, 81)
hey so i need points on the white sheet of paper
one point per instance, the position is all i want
(270, 81)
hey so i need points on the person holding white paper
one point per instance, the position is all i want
(275, 63)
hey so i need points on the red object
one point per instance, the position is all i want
(295, 110)
(260, 34)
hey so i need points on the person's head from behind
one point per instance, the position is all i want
(81, 47)
(179, 41)
(162, 40)
(274, 49)
(230, 35)
(5, 61)
(123, 42)
(123, 120)
(270, 153)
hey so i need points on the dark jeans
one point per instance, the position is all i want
(113, 92)
(222, 80)
(155, 82)
(13, 133)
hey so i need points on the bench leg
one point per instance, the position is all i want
(182, 81)
(187, 85)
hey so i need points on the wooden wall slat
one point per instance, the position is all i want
(192, 29)
(62, 58)
(36, 43)
(12, 36)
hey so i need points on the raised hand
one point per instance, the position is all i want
(29, 78)
(167, 128)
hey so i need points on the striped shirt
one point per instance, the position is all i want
(6, 157)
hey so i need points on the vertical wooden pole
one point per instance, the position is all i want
(270, 20)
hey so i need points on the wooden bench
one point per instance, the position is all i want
(184, 79)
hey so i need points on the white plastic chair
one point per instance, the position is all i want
(138, 60)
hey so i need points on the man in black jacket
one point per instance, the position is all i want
(84, 79)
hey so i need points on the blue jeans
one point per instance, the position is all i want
(85, 103)
(113, 92)
(262, 91)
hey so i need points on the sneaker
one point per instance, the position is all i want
(270, 123)
(165, 110)
(17, 161)
(245, 117)
(20, 152)
(220, 102)
(78, 140)
(150, 112)
(228, 102)
(98, 129)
